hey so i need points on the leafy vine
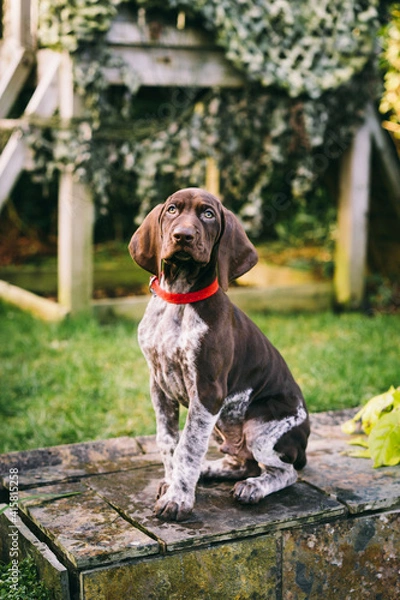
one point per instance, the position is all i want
(390, 103)
(310, 71)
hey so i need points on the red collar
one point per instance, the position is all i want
(188, 298)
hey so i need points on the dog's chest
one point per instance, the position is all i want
(170, 337)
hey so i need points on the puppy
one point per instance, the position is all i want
(207, 355)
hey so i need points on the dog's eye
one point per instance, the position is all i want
(208, 213)
(172, 209)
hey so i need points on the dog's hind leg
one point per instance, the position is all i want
(275, 476)
(263, 441)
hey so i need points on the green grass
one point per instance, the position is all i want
(340, 361)
(28, 588)
(70, 382)
(82, 380)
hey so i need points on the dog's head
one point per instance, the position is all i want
(193, 225)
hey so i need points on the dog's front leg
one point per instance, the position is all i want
(167, 420)
(177, 502)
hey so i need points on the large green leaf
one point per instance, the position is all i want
(359, 440)
(368, 415)
(384, 439)
(358, 453)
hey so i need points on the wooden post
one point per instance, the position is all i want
(212, 177)
(351, 242)
(20, 23)
(75, 227)
(75, 218)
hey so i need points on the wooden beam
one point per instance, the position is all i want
(311, 297)
(163, 55)
(40, 307)
(43, 103)
(179, 67)
(13, 78)
(12, 162)
(10, 124)
(351, 241)
(75, 217)
(45, 99)
(125, 31)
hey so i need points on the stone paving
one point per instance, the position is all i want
(86, 517)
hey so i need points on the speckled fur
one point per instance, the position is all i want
(212, 359)
(170, 338)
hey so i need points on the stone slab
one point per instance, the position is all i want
(217, 516)
(70, 461)
(246, 570)
(352, 481)
(85, 530)
(15, 536)
(349, 560)
(111, 543)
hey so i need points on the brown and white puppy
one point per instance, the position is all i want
(209, 356)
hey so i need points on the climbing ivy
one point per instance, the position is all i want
(65, 24)
(299, 46)
(390, 103)
(310, 69)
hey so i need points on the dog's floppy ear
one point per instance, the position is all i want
(236, 254)
(145, 244)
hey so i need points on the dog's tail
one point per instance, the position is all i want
(291, 447)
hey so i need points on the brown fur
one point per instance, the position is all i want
(211, 357)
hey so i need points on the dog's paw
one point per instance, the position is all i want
(173, 508)
(249, 491)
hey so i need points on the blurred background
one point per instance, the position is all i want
(289, 112)
(260, 102)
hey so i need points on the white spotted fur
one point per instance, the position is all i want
(261, 438)
(170, 337)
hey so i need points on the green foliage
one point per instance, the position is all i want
(367, 417)
(379, 419)
(301, 47)
(64, 24)
(309, 70)
(81, 380)
(391, 97)
(28, 587)
(384, 439)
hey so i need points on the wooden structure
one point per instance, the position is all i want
(182, 57)
(164, 56)
(354, 206)
(334, 534)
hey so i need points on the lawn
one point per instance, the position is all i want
(82, 380)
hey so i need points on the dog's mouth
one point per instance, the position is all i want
(182, 256)
(179, 255)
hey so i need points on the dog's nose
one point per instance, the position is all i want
(183, 235)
